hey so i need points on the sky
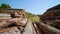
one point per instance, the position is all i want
(33, 6)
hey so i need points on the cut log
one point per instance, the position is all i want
(29, 29)
(37, 29)
(16, 21)
(48, 29)
(12, 30)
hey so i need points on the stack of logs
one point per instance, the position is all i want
(52, 17)
(19, 24)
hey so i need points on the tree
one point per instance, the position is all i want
(29, 14)
(4, 6)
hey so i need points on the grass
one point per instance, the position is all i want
(34, 18)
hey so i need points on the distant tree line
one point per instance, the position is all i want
(4, 6)
(30, 14)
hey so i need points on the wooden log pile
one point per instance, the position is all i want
(46, 29)
(51, 15)
(28, 28)
(11, 27)
(19, 24)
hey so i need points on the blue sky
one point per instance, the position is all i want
(33, 6)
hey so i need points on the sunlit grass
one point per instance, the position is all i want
(34, 18)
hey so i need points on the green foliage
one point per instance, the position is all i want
(29, 14)
(4, 6)
(32, 17)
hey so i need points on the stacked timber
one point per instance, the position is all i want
(46, 29)
(52, 16)
(19, 24)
